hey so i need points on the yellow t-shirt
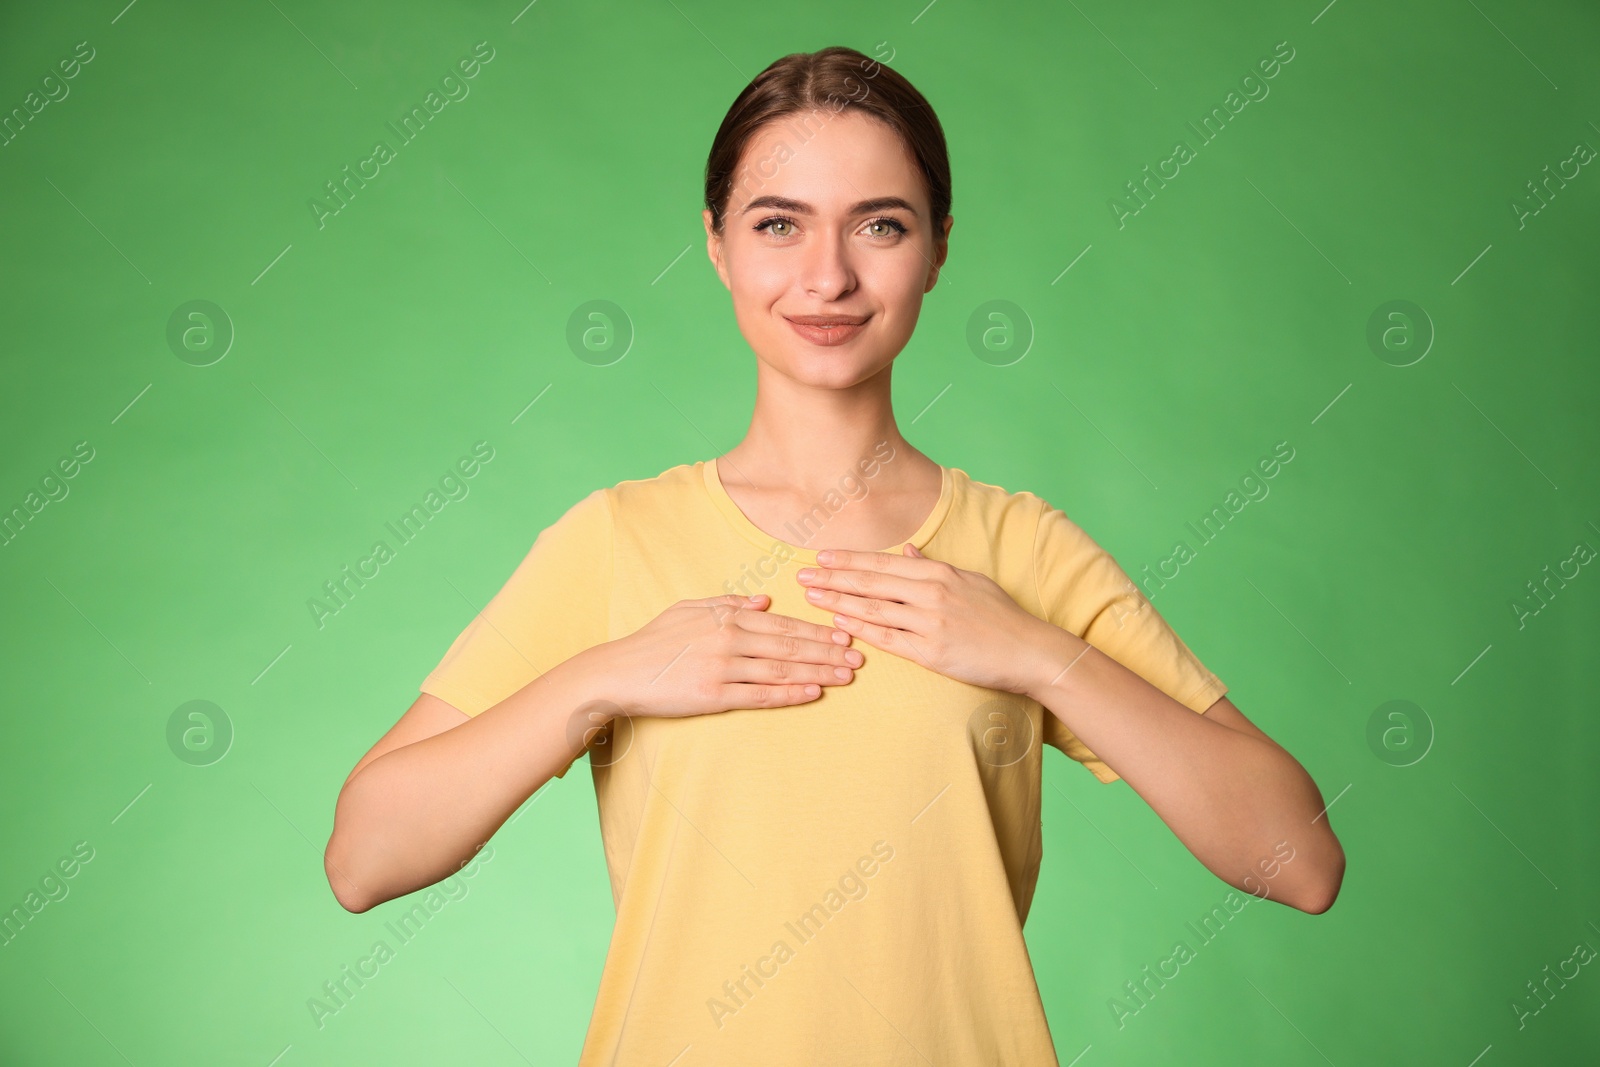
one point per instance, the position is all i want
(842, 881)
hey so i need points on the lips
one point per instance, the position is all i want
(827, 330)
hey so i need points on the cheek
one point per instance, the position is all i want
(766, 277)
(757, 281)
(899, 286)
(753, 298)
(900, 278)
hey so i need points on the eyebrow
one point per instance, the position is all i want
(797, 207)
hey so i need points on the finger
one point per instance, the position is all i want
(889, 638)
(733, 600)
(725, 607)
(878, 609)
(795, 649)
(887, 562)
(765, 623)
(785, 671)
(756, 695)
(879, 584)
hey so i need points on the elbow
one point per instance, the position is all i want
(345, 891)
(1327, 886)
(354, 906)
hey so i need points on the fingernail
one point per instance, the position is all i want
(854, 658)
(841, 637)
(842, 673)
(805, 574)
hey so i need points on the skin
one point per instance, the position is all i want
(819, 410)
(1235, 798)
(439, 783)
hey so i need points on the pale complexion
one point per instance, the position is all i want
(831, 217)
(831, 194)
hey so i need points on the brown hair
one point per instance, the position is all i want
(835, 79)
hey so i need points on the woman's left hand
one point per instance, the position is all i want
(957, 622)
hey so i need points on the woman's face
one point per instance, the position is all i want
(828, 217)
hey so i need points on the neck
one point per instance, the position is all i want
(806, 437)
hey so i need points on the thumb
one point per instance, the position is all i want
(911, 550)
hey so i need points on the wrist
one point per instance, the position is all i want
(604, 698)
(1054, 652)
(572, 697)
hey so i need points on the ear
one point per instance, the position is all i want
(941, 251)
(714, 249)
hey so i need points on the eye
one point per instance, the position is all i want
(894, 225)
(766, 224)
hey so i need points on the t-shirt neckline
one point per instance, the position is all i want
(753, 533)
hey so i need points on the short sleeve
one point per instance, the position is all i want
(1083, 590)
(555, 605)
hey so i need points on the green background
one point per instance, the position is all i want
(370, 353)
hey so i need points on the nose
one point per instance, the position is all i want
(828, 273)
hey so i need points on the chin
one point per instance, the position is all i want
(828, 369)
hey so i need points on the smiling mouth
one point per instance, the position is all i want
(827, 330)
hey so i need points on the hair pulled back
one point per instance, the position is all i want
(830, 81)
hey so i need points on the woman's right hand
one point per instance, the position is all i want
(724, 652)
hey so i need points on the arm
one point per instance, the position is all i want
(1227, 790)
(438, 785)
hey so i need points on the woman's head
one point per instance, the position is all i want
(828, 194)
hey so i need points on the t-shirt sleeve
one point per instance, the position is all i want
(1083, 590)
(555, 605)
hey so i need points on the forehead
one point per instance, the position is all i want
(827, 159)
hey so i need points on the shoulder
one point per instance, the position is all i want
(672, 482)
(986, 496)
(656, 501)
(1025, 521)
(1001, 507)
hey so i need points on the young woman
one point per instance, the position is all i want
(814, 675)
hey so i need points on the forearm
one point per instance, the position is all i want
(1230, 797)
(415, 815)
